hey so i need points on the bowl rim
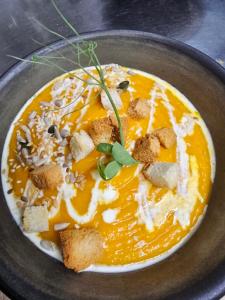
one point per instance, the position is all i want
(211, 286)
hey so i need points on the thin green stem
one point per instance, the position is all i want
(75, 47)
(116, 113)
(50, 63)
(28, 61)
(76, 64)
(75, 110)
(64, 19)
(86, 48)
(78, 109)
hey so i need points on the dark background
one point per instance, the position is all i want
(200, 23)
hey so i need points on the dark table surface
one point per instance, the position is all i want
(200, 23)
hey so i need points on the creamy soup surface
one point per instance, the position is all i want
(140, 223)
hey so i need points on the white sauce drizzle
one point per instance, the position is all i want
(68, 194)
(182, 130)
(143, 211)
(153, 213)
(108, 195)
(84, 109)
(181, 206)
(109, 215)
(152, 103)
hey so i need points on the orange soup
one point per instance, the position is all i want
(140, 222)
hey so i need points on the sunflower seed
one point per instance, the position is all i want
(25, 153)
(48, 245)
(32, 115)
(58, 102)
(20, 139)
(45, 104)
(64, 133)
(61, 226)
(26, 130)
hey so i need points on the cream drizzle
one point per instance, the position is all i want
(182, 130)
(181, 206)
(68, 192)
(143, 212)
(109, 215)
(152, 102)
(84, 109)
(153, 213)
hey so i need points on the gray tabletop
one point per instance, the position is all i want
(200, 23)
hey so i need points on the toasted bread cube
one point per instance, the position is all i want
(115, 96)
(81, 145)
(166, 136)
(138, 109)
(162, 174)
(35, 219)
(100, 131)
(146, 149)
(81, 247)
(116, 132)
(47, 177)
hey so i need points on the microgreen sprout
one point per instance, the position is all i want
(85, 48)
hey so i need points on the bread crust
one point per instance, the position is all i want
(81, 247)
(100, 130)
(138, 109)
(116, 132)
(47, 177)
(166, 136)
(146, 149)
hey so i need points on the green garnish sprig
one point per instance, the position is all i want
(119, 157)
(86, 49)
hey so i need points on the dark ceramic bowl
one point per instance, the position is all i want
(197, 270)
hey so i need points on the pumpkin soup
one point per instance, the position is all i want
(107, 192)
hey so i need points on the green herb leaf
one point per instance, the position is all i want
(104, 148)
(101, 169)
(123, 85)
(108, 171)
(111, 169)
(121, 155)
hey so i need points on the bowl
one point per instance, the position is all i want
(196, 271)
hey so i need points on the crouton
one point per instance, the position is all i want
(81, 145)
(162, 174)
(35, 219)
(115, 131)
(115, 96)
(100, 131)
(81, 247)
(47, 177)
(146, 149)
(166, 136)
(138, 109)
